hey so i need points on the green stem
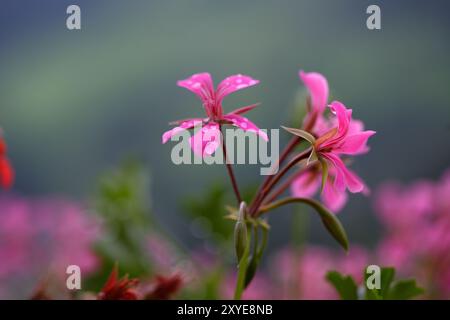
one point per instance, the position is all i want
(284, 201)
(242, 271)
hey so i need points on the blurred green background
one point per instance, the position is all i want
(74, 103)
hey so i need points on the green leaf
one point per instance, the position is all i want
(373, 295)
(302, 134)
(387, 276)
(345, 285)
(404, 290)
(324, 164)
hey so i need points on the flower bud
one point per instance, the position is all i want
(240, 233)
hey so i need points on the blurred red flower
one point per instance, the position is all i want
(118, 289)
(6, 170)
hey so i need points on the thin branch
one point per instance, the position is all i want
(282, 202)
(290, 146)
(278, 176)
(230, 171)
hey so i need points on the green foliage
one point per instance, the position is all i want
(389, 289)
(210, 206)
(404, 290)
(345, 285)
(120, 202)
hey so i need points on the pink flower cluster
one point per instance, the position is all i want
(417, 240)
(39, 238)
(301, 274)
(337, 136)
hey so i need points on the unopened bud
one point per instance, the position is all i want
(240, 233)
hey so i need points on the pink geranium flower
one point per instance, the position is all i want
(339, 136)
(346, 138)
(207, 140)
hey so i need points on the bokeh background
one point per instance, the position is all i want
(75, 103)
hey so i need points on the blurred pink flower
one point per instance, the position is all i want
(354, 262)
(417, 238)
(301, 274)
(441, 195)
(40, 238)
(207, 140)
(400, 208)
(162, 253)
(259, 289)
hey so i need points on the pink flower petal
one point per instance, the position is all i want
(201, 84)
(233, 83)
(306, 184)
(185, 125)
(245, 124)
(206, 141)
(356, 126)
(356, 143)
(339, 179)
(317, 86)
(343, 116)
(344, 177)
(333, 198)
